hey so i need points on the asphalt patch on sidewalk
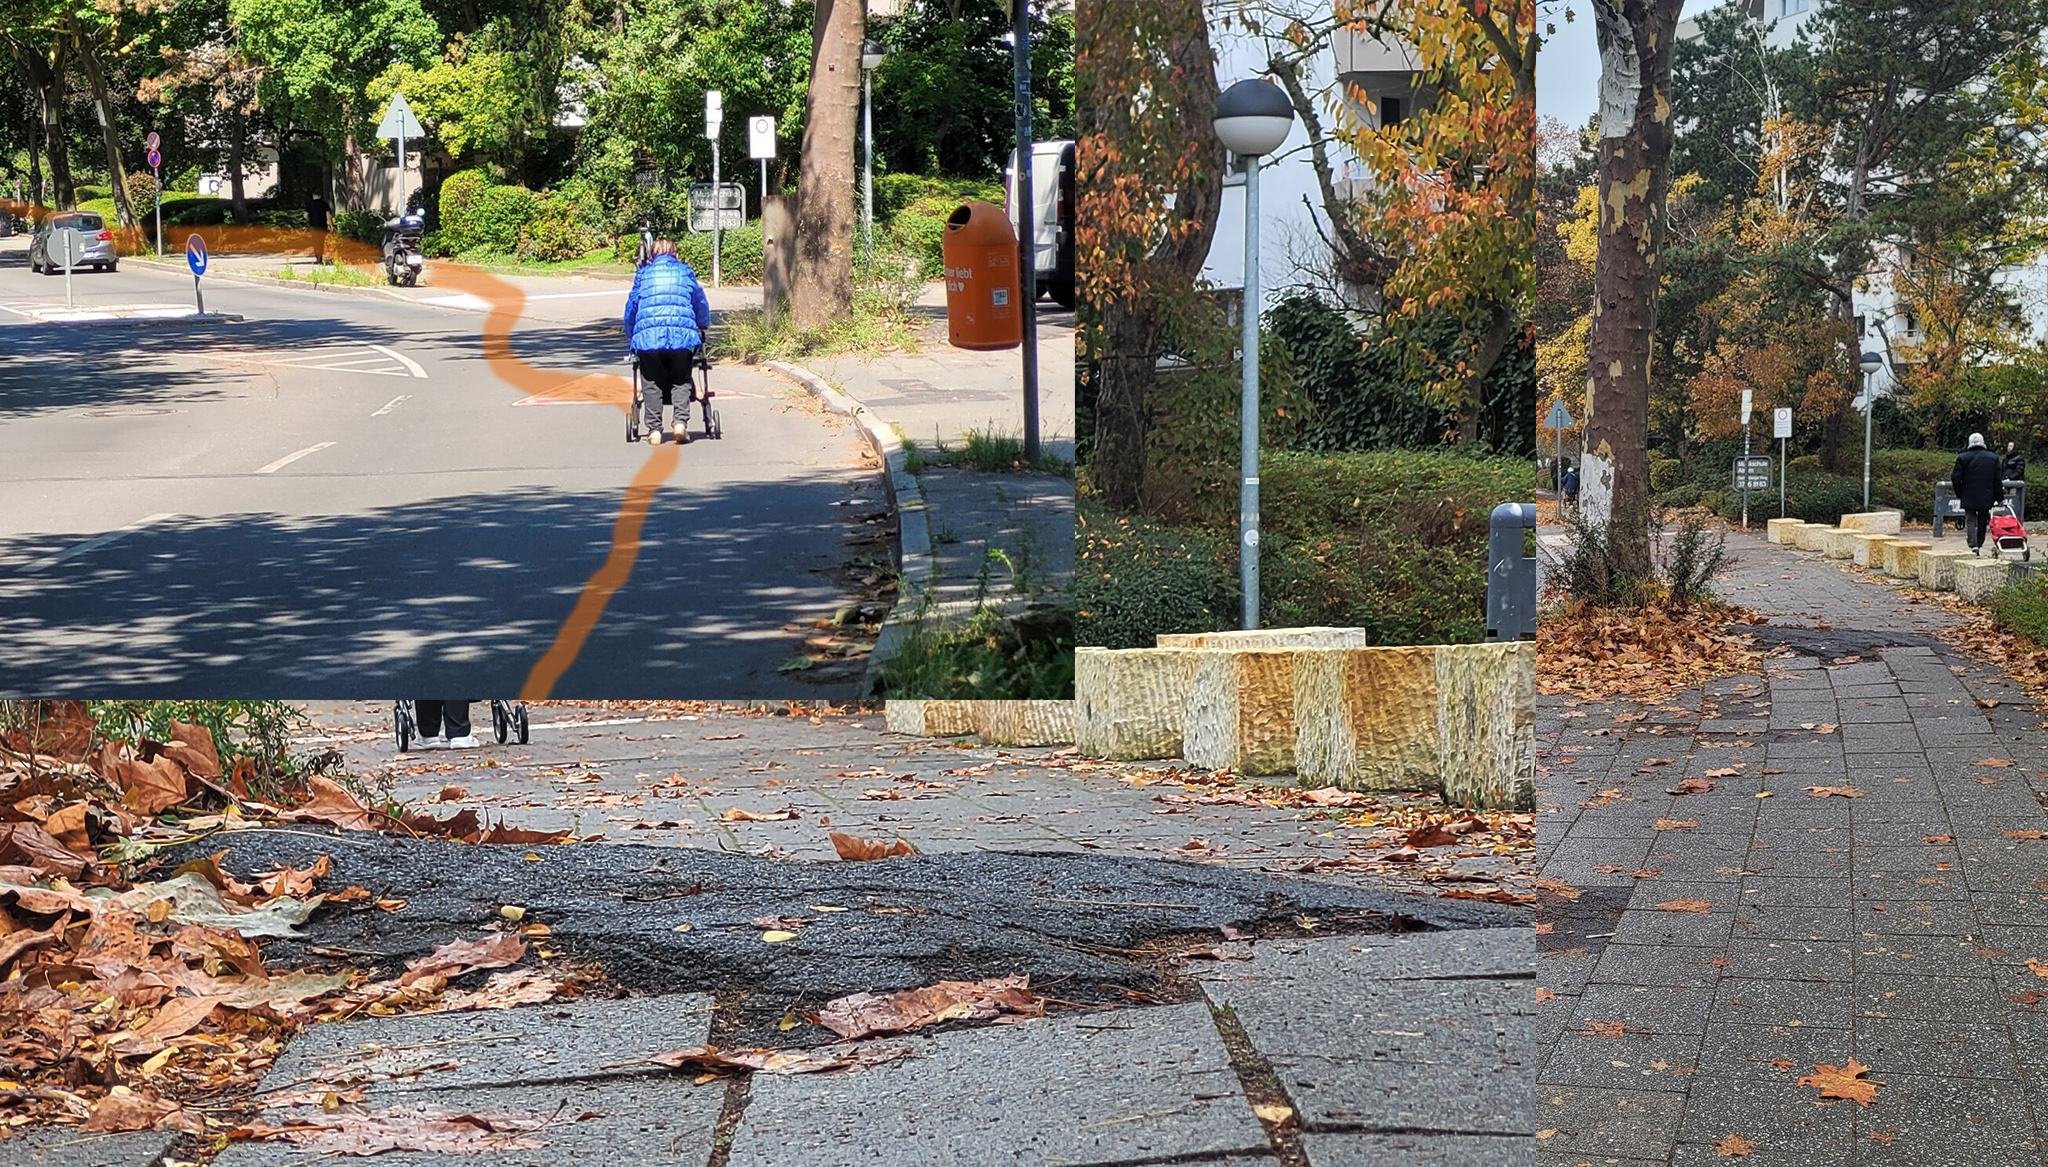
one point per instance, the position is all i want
(1089, 929)
(1831, 644)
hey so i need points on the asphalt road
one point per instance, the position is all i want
(341, 496)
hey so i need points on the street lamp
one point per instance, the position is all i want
(871, 55)
(1870, 364)
(1253, 118)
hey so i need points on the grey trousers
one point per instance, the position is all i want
(665, 374)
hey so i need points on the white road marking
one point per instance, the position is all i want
(392, 404)
(477, 303)
(288, 459)
(95, 543)
(402, 359)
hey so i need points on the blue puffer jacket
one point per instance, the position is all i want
(667, 309)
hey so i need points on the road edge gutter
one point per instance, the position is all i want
(915, 565)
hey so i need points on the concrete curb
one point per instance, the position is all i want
(145, 321)
(906, 497)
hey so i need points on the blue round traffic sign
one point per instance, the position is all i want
(195, 254)
(155, 159)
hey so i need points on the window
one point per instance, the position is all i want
(1390, 111)
(1912, 322)
(1795, 7)
(1861, 330)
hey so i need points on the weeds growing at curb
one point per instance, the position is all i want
(1029, 656)
(881, 320)
(994, 453)
(339, 274)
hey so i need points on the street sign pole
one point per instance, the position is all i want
(761, 144)
(1781, 428)
(195, 258)
(1027, 238)
(68, 238)
(714, 115)
(156, 172)
(1745, 458)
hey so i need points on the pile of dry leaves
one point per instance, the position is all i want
(129, 1004)
(2020, 658)
(1642, 654)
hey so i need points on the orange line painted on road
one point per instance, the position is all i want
(608, 579)
(508, 303)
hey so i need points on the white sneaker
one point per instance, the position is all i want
(433, 743)
(465, 742)
(654, 437)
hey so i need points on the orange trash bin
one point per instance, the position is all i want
(980, 250)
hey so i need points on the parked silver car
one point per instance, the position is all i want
(99, 243)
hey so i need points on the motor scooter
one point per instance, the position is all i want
(403, 259)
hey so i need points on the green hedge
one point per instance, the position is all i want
(458, 207)
(2022, 607)
(1135, 578)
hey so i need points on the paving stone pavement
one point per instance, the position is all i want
(1894, 926)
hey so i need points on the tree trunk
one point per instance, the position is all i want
(238, 137)
(355, 194)
(46, 74)
(1133, 322)
(1635, 177)
(823, 289)
(117, 175)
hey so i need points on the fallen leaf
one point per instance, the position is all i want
(1725, 772)
(1675, 824)
(1273, 1113)
(1734, 1145)
(1604, 1029)
(1939, 839)
(1543, 994)
(1685, 906)
(776, 936)
(1825, 791)
(1845, 1081)
(2026, 834)
(1691, 786)
(863, 1014)
(1998, 762)
(852, 847)
(736, 815)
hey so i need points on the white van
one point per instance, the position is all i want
(1052, 203)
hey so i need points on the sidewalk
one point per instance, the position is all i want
(995, 537)
(1860, 880)
(1204, 1005)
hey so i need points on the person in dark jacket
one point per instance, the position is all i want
(666, 319)
(1976, 483)
(2014, 464)
(316, 221)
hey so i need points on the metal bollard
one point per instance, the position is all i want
(1511, 573)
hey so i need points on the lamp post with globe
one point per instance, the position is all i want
(1253, 117)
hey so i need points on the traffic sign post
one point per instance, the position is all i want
(195, 258)
(1559, 418)
(1781, 429)
(714, 117)
(400, 123)
(1745, 458)
(720, 207)
(157, 175)
(761, 145)
(69, 246)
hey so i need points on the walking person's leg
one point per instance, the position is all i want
(427, 716)
(1979, 520)
(650, 396)
(457, 715)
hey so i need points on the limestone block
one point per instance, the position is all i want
(1024, 723)
(1977, 580)
(1129, 703)
(930, 718)
(1874, 522)
(1266, 638)
(1840, 543)
(1366, 718)
(1486, 724)
(1938, 569)
(1812, 536)
(1240, 711)
(1782, 530)
(1902, 558)
(1868, 550)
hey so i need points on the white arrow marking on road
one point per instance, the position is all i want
(95, 543)
(288, 459)
(392, 404)
(402, 359)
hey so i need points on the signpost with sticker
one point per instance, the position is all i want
(156, 159)
(195, 258)
(67, 247)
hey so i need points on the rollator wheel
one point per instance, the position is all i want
(519, 723)
(500, 723)
(401, 727)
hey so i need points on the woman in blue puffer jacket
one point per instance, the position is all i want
(666, 319)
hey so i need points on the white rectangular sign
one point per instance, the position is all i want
(761, 136)
(1781, 423)
(1745, 406)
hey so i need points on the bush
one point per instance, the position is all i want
(989, 658)
(361, 226)
(2022, 608)
(894, 192)
(1665, 474)
(1358, 396)
(920, 235)
(1136, 578)
(739, 254)
(555, 233)
(86, 194)
(1391, 541)
(496, 217)
(458, 206)
(142, 193)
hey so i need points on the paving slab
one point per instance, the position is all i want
(1361, 1038)
(638, 1122)
(1135, 1085)
(71, 1147)
(495, 1047)
(1358, 1150)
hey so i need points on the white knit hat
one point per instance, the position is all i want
(1976, 440)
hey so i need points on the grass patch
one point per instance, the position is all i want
(991, 657)
(996, 453)
(339, 274)
(2022, 608)
(879, 321)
